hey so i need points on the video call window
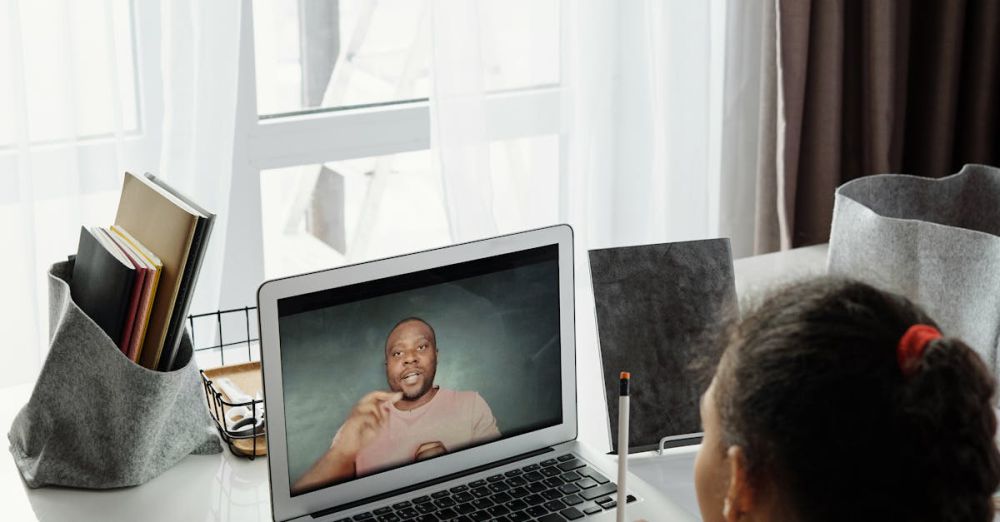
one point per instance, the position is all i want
(388, 372)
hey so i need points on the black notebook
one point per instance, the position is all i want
(103, 279)
(660, 309)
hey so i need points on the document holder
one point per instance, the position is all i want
(98, 420)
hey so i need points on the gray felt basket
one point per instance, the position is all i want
(936, 241)
(98, 420)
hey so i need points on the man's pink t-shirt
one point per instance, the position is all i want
(455, 418)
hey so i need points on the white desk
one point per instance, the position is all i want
(220, 487)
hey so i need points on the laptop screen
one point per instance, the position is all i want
(381, 374)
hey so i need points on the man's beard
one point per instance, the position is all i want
(428, 384)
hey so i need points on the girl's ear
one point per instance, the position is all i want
(740, 497)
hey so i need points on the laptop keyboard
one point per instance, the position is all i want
(554, 490)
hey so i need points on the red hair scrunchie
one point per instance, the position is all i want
(912, 345)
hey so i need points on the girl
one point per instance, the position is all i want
(837, 401)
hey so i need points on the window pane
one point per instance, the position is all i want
(328, 215)
(327, 53)
(75, 62)
(322, 216)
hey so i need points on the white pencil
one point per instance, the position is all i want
(622, 443)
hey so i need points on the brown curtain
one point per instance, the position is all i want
(869, 87)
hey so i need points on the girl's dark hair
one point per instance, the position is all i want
(811, 389)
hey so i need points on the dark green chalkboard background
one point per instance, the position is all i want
(497, 334)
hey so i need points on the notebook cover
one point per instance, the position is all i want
(149, 292)
(160, 221)
(199, 246)
(102, 283)
(128, 332)
(660, 309)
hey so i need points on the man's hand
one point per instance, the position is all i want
(429, 449)
(364, 423)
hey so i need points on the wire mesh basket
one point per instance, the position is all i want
(227, 349)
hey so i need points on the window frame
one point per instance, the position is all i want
(276, 141)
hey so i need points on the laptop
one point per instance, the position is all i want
(439, 385)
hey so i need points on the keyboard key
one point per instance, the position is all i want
(572, 500)
(553, 482)
(519, 516)
(439, 494)
(388, 518)
(513, 473)
(517, 481)
(534, 499)
(446, 513)
(537, 511)
(571, 513)
(477, 483)
(463, 497)
(408, 512)
(531, 467)
(548, 462)
(401, 505)
(480, 516)
(516, 505)
(593, 474)
(501, 498)
(426, 518)
(425, 507)
(552, 494)
(585, 483)
(599, 491)
(554, 505)
(494, 478)
(463, 518)
(465, 509)
(537, 487)
(568, 489)
(383, 511)
(551, 471)
(518, 492)
(497, 487)
(604, 500)
(497, 510)
(444, 502)
(592, 509)
(482, 503)
(552, 517)
(421, 500)
(481, 492)
(570, 476)
(610, 505)
(574, 463)
(363, 516)
(564, 458)
(533, 476)
(459, 489)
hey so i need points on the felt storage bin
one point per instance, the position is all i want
(936, 241)
(98, 420)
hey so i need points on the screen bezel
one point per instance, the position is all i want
(284, 506)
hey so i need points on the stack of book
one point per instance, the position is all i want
(136, 278)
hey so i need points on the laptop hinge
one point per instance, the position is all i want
(426, 483)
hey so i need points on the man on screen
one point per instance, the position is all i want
(412, 421)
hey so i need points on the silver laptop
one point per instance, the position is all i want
(439, 385)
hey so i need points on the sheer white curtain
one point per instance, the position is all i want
(82, 87)
(641, 109)
(641, 106)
